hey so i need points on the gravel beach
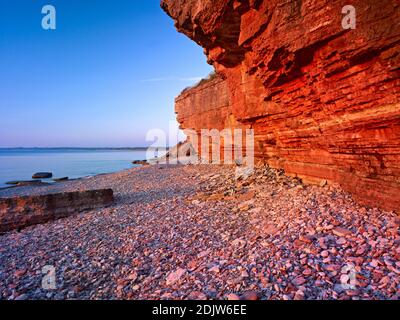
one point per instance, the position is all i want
(200, 232)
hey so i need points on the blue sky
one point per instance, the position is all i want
(103, 78)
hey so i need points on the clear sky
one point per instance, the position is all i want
(107, 74)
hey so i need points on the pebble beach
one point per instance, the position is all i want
(204, 232)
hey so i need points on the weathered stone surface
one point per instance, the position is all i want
(20, 212)
(42, 175)
(22, 182)
(323, 101)
(60, 179)
(140, 162)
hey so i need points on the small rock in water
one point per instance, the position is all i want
(42, 175)
(12, 182)
(60, 179)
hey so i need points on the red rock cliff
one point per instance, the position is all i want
(323, 101)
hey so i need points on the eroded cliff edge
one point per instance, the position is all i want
(323, 101)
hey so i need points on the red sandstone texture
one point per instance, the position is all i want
(323, 101)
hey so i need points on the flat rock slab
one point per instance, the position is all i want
(140, 162)
(60, 179)
(20, 212)
(24, 182)
(42, 175)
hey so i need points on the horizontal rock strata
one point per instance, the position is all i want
(323, 101)
(20, 212)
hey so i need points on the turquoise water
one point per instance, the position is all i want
(20, 164)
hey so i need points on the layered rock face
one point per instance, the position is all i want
(21, 212)
(324, 101)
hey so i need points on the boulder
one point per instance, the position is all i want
(42, 175)
(23, 211)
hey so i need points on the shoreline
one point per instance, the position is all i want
(197, 232)
(22, 163)
(56, 186)
(44, 183)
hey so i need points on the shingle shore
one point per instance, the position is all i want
(198, 232)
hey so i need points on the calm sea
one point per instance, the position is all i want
(20, 164)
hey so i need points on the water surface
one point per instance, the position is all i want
(20, 164)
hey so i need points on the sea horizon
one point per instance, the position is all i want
(20, 163)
